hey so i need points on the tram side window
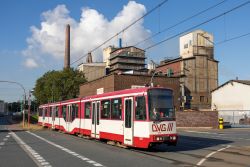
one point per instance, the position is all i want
(57, 111)
(87, 110)
(105, 109)
(64, 111)
(128, 115)
(74, 111)
(116, 110)
(40, 111)
(140, 110)
(50, 111)
(46, 112)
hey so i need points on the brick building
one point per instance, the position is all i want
(114, 82)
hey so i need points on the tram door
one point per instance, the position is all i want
(95, 120)
(128, 121)
(68, 117)
(53, 117)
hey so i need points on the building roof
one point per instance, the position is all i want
(126, 48)
(178, 59)
(245, 82)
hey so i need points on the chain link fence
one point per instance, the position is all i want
(235, 118)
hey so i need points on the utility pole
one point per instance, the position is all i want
(29, 104)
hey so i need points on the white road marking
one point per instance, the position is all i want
(8, 136)
(191, 131)
(5, 139)
(38, 159)
(85, 159)
(210, 154)
(2, 143)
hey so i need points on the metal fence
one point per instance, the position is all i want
(235, 118)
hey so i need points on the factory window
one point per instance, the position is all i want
(87, 110)
(190, 42)
(186, 46)
(105, 109)
(202, 99)
(116, 109)
(140, 110)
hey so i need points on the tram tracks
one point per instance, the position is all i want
(192, 151)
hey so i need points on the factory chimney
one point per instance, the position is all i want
(89, 58)
(67, 47)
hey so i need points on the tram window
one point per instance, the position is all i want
(116, 111)
(128, 104)
(87, 110)
(74, 112)
(105, 109)
(57, 110)
(46, 112)
(50, 111)
(64, 111)
(140, 110)
(40, 111)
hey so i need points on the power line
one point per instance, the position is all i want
(183, 21)
(122, 31)
(193, 27)
(231, 39)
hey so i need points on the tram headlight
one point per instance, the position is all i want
(174, 138)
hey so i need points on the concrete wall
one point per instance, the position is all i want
(201, 78)
(197, 119)
(93, 71)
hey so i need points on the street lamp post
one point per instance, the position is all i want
(24, 97)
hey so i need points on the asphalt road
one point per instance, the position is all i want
(229, 147)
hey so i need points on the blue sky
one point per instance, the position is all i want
(28, 47)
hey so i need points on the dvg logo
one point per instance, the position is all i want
(162, 127)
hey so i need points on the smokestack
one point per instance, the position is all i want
(89, 58)
(67, 47)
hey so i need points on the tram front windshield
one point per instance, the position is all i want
(160, 104)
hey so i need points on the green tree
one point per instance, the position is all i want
(58, 85)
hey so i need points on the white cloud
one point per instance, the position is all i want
(87, 33)
(30, 63)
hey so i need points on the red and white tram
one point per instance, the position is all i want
(138, 117)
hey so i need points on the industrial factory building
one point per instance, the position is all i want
(196, 71)
(196, 68)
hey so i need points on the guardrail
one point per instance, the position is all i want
(236, 118)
